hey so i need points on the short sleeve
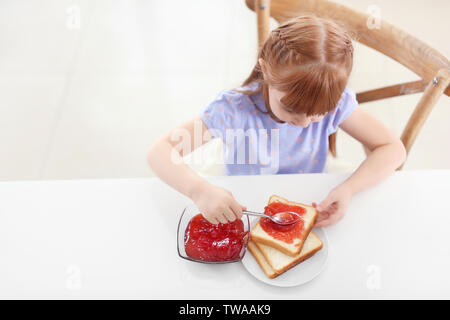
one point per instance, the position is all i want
(219, 115)
(345, 107)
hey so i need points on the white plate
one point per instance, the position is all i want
(298, 275)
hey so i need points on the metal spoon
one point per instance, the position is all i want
(278, 218)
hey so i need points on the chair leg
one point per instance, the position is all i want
(434, 90)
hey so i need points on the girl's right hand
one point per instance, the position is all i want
(217, 204)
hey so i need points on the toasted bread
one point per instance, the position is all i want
(268, 270)
(274, 262)
(292, 249)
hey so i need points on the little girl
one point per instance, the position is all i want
(280, 121)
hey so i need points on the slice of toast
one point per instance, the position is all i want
(268, 270)
(274, 262)
(292, 249)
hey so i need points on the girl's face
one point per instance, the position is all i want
(280, 111)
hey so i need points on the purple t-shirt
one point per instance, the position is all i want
(254, 143)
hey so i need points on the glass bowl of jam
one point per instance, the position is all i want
(201, 241)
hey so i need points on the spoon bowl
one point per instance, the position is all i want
(286, 218)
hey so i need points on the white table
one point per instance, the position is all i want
(117, 239)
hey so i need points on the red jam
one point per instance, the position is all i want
(286, 233)
(209, 242)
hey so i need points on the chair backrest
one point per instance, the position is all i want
(429, 64)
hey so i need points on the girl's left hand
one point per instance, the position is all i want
(333, 207)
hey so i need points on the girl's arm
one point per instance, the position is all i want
(387, 154)
(387, 150)
(165, 159)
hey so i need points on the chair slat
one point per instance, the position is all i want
(392, 91)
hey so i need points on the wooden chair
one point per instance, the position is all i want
(430, 65)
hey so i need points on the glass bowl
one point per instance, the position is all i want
(188, 213)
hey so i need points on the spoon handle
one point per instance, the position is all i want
(258, 214)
